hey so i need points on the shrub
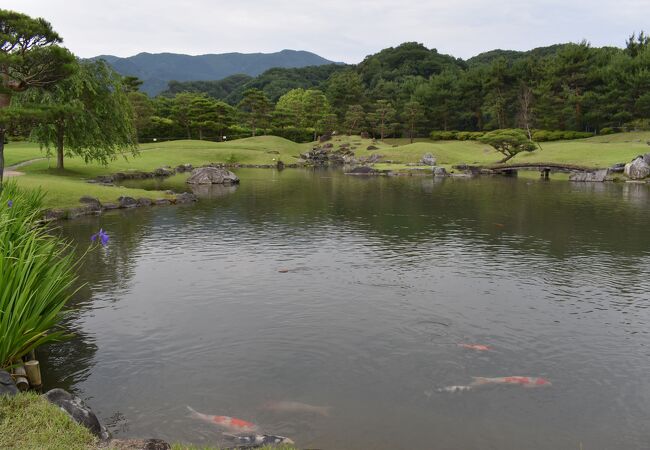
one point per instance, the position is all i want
(443, 135)
(294, 134)
(37, 273)
(607, 130)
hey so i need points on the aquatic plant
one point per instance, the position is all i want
(37, 274)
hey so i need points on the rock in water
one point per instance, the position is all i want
(596, 176)
(127, 202)
(212, 175)
(93, 203)
(77, 409)
(428, 160)
(439, 172)
(7, 384)
(637, 169)
(137, 444)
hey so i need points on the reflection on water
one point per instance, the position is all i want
(385, 277)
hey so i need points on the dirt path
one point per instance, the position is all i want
(10, 171)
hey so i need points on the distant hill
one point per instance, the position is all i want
(513, 55)
(157, 70)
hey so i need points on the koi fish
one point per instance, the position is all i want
(513, 380)
(297, 407)
(477, 347)
(258, 439)
(229, 423)
(527, 382)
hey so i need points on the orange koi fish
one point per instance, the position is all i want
(229, 423)
(477, 347)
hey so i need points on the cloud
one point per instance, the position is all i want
(338, 30)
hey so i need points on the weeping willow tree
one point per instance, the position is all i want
(87, 115)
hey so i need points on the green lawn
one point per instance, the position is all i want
(63, 189)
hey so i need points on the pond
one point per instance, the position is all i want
(355, 293)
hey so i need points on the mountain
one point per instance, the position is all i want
(158, 69)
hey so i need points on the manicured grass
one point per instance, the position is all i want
(28, 421)
(65, 191)
(64, 188)
(17, 152)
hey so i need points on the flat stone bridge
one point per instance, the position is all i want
(544, 168)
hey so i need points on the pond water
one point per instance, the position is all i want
(385, 277)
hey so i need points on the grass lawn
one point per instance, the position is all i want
(28, 421)
(63, 189)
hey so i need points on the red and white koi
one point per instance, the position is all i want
(229, 423)
(477, 347)
(527, 382)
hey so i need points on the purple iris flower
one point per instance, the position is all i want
(102, 235)
(10, 203)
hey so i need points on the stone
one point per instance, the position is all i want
(54, 214)
(365, 135)
(637, 169)
(428, 160)
(184, 168)
(328, 145)
(145, 202)
(162, 202)
(371, 147)
(279, 165)
(325, 137)
(597, 176)
(374, 157)
(127, 202)
(212, 175)
(73, 213)
(646, 158)
(92, 202)
(186, 197)
(77, 409)
(163, 172)
(110, 206)
(363, 170)
(617, 168)
(7, 384)
(137, 444)
(439, 172)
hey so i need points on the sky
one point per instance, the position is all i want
(339, 30)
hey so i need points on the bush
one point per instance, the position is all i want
(443, 135)
(546, 135)
(607, 130)
(36, 276)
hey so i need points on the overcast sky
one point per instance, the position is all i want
(340, 30)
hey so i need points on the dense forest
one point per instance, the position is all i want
(562, 91)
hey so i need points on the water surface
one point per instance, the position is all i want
(385, 277)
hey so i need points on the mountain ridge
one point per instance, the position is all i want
(156, 70)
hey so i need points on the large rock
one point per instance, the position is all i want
(127, 202)
(428, 160)
(646, 157)
(637, 169)
(7, 384)
(439, 172)
(597, 176)
(617, 168)
(184, 168)
(362, 170)
(212, 175)
(77, 409)
(163, 172)
(92, 202)
(185, 197)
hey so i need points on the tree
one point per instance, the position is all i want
(344, 89)
(30, 57)
(508, 142)
(413, 115)
(131, 83)
(316, 107)
(181, 111)
(143, 111)
(256, 106)
(354, 119)
(87, 115)
(382, 116)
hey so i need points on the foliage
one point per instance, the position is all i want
(29, 58)
(88, 114)
(257, 108)
(508, 142)
(36, 277)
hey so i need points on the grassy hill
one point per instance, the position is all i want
(63, 189)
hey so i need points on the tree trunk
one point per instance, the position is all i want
(200, 134)
(253, 127)
(412, 127)
(189, 134)
(59, 147)
(507, 158)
